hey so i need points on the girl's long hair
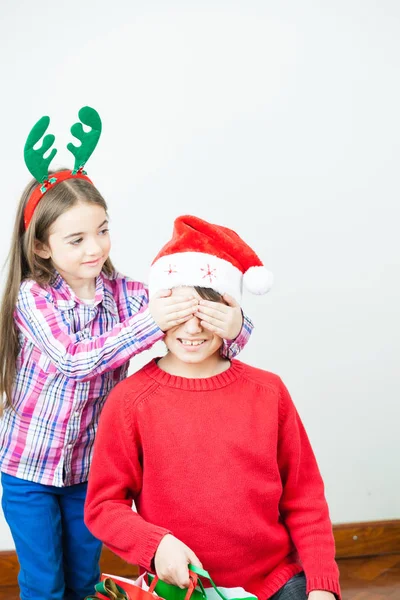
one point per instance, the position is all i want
(23, 263)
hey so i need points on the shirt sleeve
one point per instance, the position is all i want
(115, 481)
(303, 507)
(78, 355)
(231, 348)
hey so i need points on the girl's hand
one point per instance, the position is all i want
(225, 320)
(171, 561)
(321, 595)
(169, 311)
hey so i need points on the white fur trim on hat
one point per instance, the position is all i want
(195, 269)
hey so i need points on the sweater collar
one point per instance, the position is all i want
(198, 385)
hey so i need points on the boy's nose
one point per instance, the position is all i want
(193, 325)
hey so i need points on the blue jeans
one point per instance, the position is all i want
(58, 556)
(294, 589)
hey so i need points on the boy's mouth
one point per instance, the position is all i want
(191, 343)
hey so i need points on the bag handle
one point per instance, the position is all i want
(206, 575)
(192, 584)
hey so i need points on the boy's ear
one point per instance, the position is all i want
(42, 250)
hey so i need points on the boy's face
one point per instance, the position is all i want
(190, 342)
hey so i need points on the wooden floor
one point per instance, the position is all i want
(375, 578)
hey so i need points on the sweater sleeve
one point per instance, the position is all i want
(78, 355)
(231, 348)
(115, 481)
(303, 507)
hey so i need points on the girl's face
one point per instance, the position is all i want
(79, 243)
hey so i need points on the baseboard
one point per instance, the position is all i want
(352, 540)
(373, 538)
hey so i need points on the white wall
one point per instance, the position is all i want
(278, 119)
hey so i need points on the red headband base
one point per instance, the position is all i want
(38, 194)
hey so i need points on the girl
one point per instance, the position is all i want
(212, 451)
(69, 325)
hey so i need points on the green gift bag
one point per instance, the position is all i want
(172, 592)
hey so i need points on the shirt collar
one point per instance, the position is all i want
(65, 298)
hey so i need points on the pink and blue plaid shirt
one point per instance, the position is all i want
(72, 354)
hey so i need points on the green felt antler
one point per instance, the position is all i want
(88, 140)
(34, 159)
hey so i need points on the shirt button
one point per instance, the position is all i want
(70, 445)
(76, 414)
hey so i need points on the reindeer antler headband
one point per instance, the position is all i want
(39, 166)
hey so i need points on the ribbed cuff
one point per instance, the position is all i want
(149, 547)
(326, 584)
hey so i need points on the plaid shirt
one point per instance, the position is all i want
(71, 355)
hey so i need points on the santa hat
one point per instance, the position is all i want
(207, 255)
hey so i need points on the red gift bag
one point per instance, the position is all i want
(113, 587)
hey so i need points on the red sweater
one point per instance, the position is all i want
(225, 465)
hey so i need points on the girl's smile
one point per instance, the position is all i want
(92, 263)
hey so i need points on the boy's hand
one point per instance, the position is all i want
(171, 561)
(169, 311)
(225, 320)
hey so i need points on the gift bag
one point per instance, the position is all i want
(172, 592)
(119, 588)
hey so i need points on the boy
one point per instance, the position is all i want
(212, 452)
